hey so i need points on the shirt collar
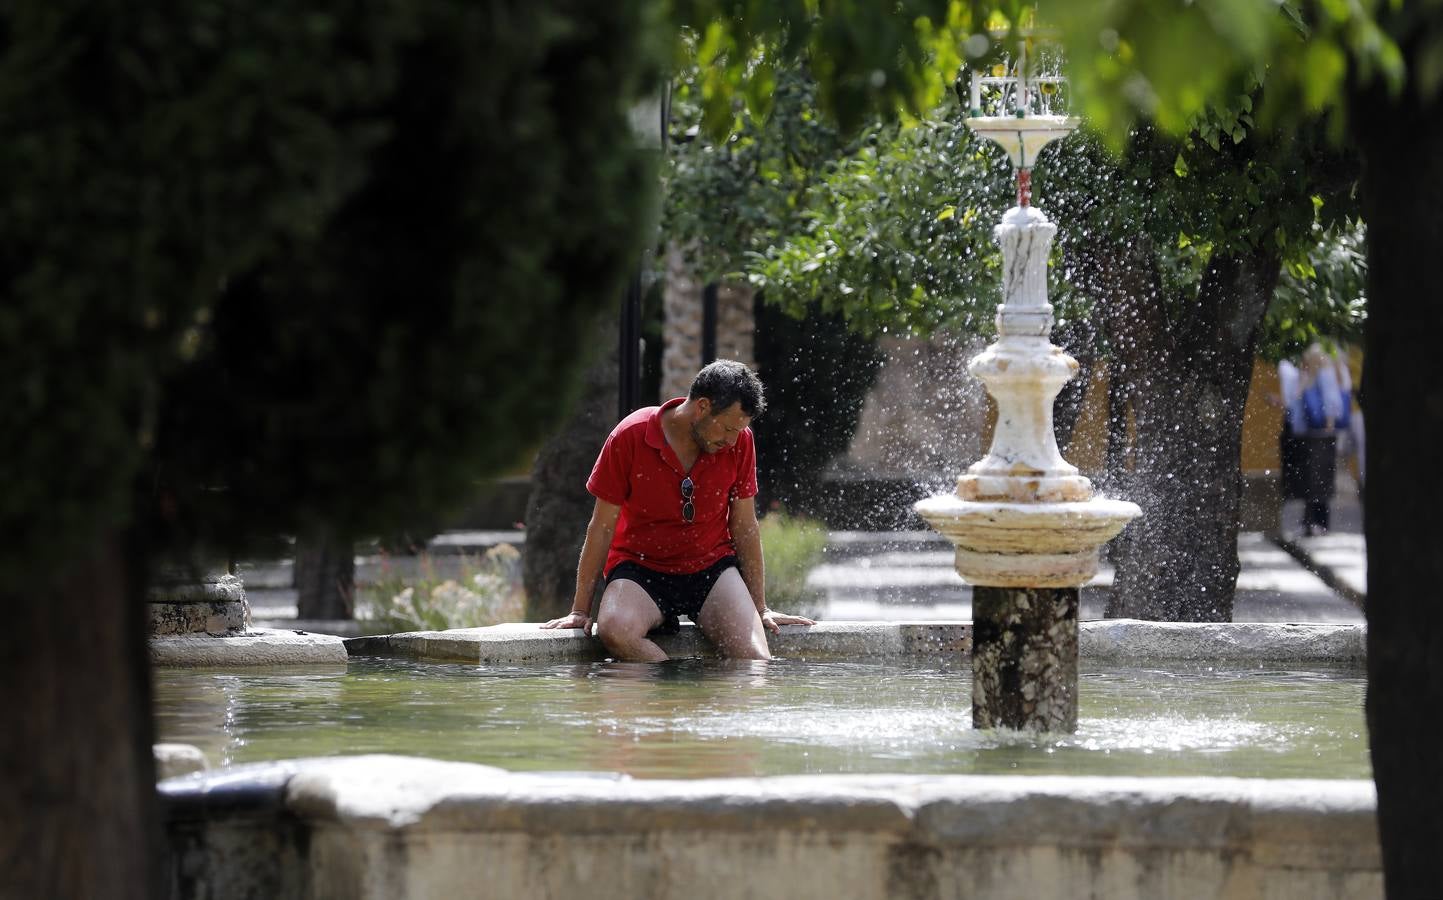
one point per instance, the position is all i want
(654, 435)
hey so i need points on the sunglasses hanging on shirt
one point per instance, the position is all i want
(688, 509)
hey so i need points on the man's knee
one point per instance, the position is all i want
(624, 615)
(618, 629)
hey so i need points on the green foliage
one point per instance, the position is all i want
(791, 548)
(1127, 61)
(1224, 188)
(1321, 297)
(725, 199)
(271, 265)
(867, 56)
(478, 593)
(897, 236)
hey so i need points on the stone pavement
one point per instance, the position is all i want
(908, 576)
(1339, 557)
(1285, 577)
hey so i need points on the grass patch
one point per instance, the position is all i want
(791, 547)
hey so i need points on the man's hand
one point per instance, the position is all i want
(571, 620)
(772, 620)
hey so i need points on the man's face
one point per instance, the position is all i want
(716, 431)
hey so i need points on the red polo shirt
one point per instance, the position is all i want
(638, 471)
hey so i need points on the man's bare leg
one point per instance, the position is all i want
(625, 615)
(729, 618)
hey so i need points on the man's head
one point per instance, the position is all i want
(726, 396)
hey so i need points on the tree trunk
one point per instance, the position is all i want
(736, 323)
(325, 577)
(1402, 143)
(681, 299)
(560, 506)
(1024, 659)
(1186, 382)
(78, 811)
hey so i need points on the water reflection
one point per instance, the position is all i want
(705, 718)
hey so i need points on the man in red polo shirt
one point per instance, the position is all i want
(675, 524)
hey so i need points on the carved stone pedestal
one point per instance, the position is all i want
(1024, 658)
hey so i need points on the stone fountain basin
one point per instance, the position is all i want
(1040, 545)
(393, 826)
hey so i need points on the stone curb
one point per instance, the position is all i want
(1340, 585)
(527, 642)
(257, 647)
(386, 792)
(1111, 640)
(1122, 640)
(406, 824)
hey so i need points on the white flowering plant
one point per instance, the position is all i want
(471, 593)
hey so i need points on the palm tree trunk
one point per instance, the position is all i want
(681, 302)
(736, 322)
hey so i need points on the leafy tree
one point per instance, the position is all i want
(1177, 265)
(1181, 245)
(728, 201)
(268, 268)
(1322, 297)
(898, 235)
(1379, 67)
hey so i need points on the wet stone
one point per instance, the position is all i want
(1024, 658)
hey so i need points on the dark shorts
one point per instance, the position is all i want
(674, 595)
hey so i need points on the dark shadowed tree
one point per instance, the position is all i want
(817, 374)
(1400, 135)
(324, 577)
(267, 270)
(559, 505)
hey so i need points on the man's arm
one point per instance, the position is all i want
(747, 538)
(599, 533)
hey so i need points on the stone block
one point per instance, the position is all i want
(213, 604)
(258, 647)
(172, 760)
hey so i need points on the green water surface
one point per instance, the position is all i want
(708, 718)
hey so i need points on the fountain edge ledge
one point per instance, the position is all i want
(390, 826)
(1110, 640)
(256, 647)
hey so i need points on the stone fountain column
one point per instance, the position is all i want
(1026, 525)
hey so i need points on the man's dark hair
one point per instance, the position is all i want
(727, 381)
